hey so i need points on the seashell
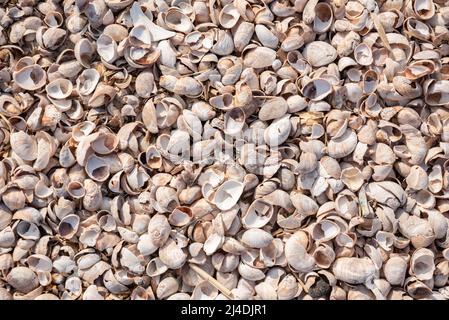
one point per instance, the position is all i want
(68, 226)
(97, 168)
(395, 270)
(157, 33)
(7, 237)
(323, 17)
(256, 238)
(319, 53)
(107, 48)
(343, 145)
(167, 287)
(155, 267)
(213, 243)
(180, 216)
(418, 230)
(324, 231)
(417, 178)
(234, 121)
(22, 279)
(266, 36)
(31, 77)
(145, 86)
(250, 273)
(266, 291)
(228, 194)
(305, 205)
(273, 109)
(288, 288)
(259, 57)
(353, 270)
(422, 264)
(317, 89)
(424, 9)
(435, 92)
(171, 255)
(228, 16)
(258, 214)
(92, 199)
(363, 54)
(183, 86)
(176, 20)
(297, 256)
(370, 81)
(28, 230)
(139, 36)
(324, 255)
(24, 145)
(59, 89)
(84, 51)
(204, 291)
(158, 230)
(255, 140)
(419, 69)
(278, 131)
(352, 178)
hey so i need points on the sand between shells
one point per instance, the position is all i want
(191, 149)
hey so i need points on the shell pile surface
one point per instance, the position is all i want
(234, 149)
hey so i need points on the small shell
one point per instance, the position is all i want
(422, 264)
(234, 121)
(172, 255)
(353, 270)
(305, 205)
(317, 89)
(363, 54)
(68, 226)
(319, 53)
(297, 256)
(228, 194)
(323, 17)
(31, 77)
(278, 131)
(158, 230)
(325, 230)
(176, 20)
(273, 109)
(22, 279)
(342, 146)
(259, 57)
(256, 238)
(229, 16)
(59, 89)
(266, 37)
(97, 168)
(352, 178)
(24, 145)
(187, 86)
(107, 48)
(145, 85)
(258, 214)
(167, 287)
(84, 50)
(424, 9)
(395, 270)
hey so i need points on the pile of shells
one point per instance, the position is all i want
(231, 149)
